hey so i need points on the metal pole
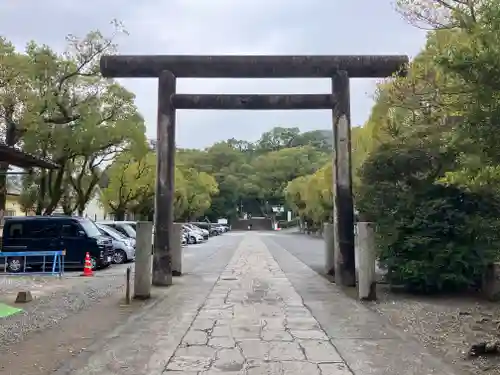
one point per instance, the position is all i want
(345, 269)
(165, 179)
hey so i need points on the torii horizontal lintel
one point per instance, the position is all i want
(253, 101)
(252, 66)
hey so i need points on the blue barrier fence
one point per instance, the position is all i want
(53, 259)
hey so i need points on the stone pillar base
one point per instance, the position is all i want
(365, 262)
(491, 282)
(176, 250)
(143, 263)
(329, 249)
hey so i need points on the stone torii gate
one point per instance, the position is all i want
(167, 68)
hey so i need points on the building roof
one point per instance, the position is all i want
(20, 159)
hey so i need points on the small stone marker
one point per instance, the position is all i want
(23, 297)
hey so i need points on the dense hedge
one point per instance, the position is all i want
(430, 237)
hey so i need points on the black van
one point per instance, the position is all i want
(76, 235)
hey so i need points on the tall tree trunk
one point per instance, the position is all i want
(119, 214)
(81, 205)
(4, 167)
(67, 210)
(56, 190)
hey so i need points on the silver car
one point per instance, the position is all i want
(123, 227)
(124, 248)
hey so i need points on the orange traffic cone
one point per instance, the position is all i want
(87, 270)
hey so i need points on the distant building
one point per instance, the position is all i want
(12, 205)
(95, 209)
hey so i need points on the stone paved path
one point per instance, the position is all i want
(254, 322)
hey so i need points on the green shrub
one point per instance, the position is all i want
(430, 237)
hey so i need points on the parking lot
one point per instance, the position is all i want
(121, 242)
(74, 292)
(69, 313)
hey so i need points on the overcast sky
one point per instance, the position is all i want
(227, 27)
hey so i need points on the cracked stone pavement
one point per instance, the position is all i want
(250, 307)
(254, 322)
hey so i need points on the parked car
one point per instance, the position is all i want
(206, 227)
(133, 224)
(76, 235)
(220, 228)
(184, 238)
(193, 236)
(224, 227)
(204, 233)
(124, 247)
(121, 226)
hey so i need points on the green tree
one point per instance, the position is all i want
(431, 237)
(200, 187)
(251, 178)
(273, 171)
(277, 139)
(430, 174)
(16, 103)
(439, 14)
(130, 181)
(311, 196)
(228, 164)
(295, 195)
(83, 120)
(319, 139)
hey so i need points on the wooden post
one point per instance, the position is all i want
(343, 200)
(165, 179)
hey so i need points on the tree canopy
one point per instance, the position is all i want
(58, 106)
(228, 178)
(426, 163)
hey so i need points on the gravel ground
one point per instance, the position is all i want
(44, 351)
(69, 314)
(10, 284)
(447, 326)
(54, 300)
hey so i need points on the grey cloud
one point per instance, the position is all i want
(227, 27)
